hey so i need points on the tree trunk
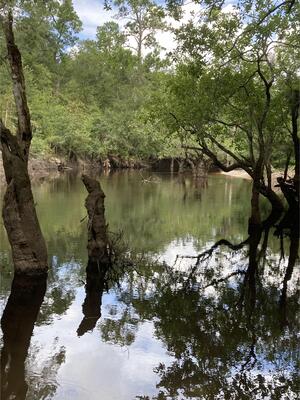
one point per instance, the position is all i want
(98, 255)
(180, 166)
(295, 103)
(293, 256)
(254, 219)
(21, 223)
(97, 230)
(172, 166)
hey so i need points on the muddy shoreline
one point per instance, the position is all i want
(52, 167)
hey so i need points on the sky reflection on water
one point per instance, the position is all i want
(157, 335)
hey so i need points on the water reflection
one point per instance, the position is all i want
(17, 324)
(224, 327)
(91, 307)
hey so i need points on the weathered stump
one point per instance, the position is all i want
(97, 230)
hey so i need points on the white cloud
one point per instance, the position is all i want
(92, 14)
(167, 39)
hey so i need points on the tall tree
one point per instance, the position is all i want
(143, 19)
(45, 30)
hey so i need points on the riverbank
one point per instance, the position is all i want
(51, 167)
(239, 173)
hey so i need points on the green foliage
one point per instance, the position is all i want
(102, 97)
(232, 83)
(86, 98)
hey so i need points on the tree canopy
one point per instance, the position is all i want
(230, 89)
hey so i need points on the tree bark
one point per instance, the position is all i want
(97, 230)
(29, 250)
(255, 219)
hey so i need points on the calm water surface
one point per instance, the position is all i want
(167, 329)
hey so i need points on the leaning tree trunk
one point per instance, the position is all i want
(97, 230)
(19, 215)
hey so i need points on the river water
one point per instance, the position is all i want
(165, 328)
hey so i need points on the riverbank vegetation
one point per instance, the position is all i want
(230, 87)
(88, 98)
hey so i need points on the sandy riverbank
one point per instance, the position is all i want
(239, 173)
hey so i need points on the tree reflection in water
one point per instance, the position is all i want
(17, 325)
(228, 319)
(221, 319)
(91, 307)
(30, 306)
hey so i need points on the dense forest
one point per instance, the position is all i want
(229, 87)
(90, 98)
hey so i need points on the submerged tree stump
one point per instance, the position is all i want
(97, 230)
(98, 255)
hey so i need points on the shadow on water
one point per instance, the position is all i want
(17, 323)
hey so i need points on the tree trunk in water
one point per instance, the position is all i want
(21, 223)
(17, 324)
(293, 257)
(98, 255)
(180, 166)
(254, 219)
(275, 201)
(172, 166)
(97, 230)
